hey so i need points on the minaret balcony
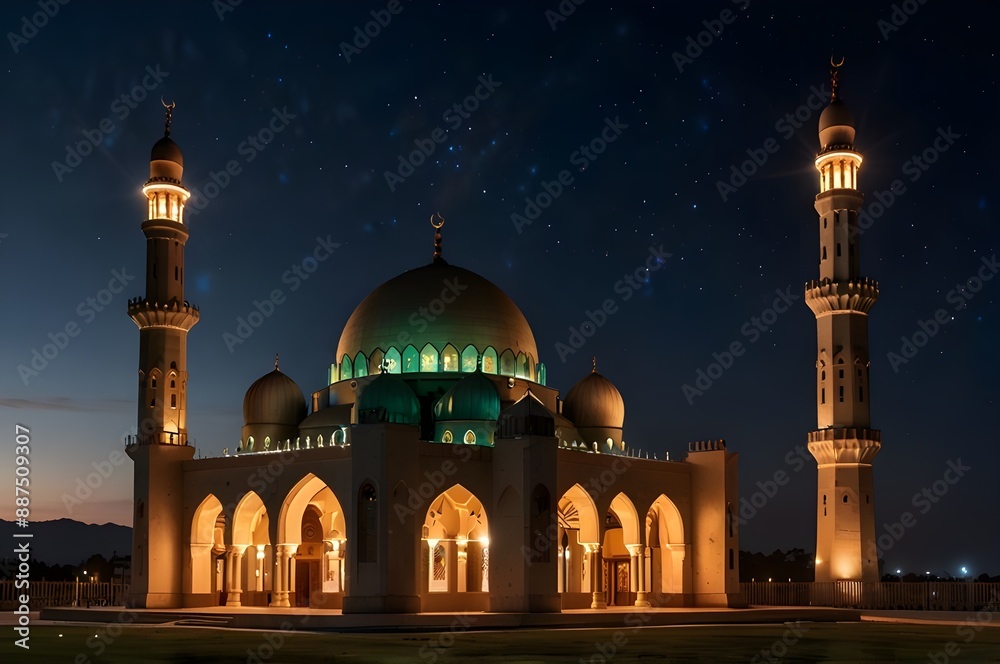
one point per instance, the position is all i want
(173, 314)
(845, 445)
(827, 296)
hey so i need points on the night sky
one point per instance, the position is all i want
(547, 87)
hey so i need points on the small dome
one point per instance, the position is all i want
(595, 402)
(166, 150)
(836, 125)
(274, 399)
(472, 398)
(387, 398)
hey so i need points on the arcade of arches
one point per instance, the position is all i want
(619, 560)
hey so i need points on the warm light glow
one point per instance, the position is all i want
(485, 541)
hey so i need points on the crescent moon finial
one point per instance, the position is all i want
(169, 114)
(437, 224)
(837, 64)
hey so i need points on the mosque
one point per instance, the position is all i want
(437, 470)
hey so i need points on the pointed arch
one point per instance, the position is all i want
(490, 363)
(470, 359)
(521, 366)
(346, 368)
(457, 536)
(665, 538)
(207, 542)
(429, 359)
(360, 365)
(310, 490)
(375, 362)
(507, 363)
(393, 360)
(411, 359)
(577, 511)
(449, 358)
(250, 521)
(628, 517)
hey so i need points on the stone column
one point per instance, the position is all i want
(462, 569)
(561, 571)
(642, 580)
(279, 582)
(599, 599)
(234, 562)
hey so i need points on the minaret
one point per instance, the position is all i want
(843, 443)
(161, 445)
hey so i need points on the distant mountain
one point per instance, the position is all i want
(69, 542)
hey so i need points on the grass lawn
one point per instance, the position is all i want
(807, 642)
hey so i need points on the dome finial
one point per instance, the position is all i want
(276, 362)
(834, 70)
(437, 235)
(595, 365)
(169, 115)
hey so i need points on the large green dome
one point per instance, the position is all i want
(453, 313)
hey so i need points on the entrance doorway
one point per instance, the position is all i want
(306, 581)
(616, 583)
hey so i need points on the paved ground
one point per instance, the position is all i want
(863, 642)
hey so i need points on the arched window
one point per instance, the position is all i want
(250, 443)
(507, 363)
(319, 440)
(267, 442)
(449, 358)
(360, 365)
(490, 360)
(375, 362)
(470, 357)
(521, 369)
(446, 437)
(173, 401)
(429, 359)
(411, 360)
(339, 437)
(173, 384)
(541, 373)
(346, 368)
(367, 524)
(393, 361)
(470, 437)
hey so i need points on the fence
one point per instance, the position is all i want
(927, 596)
(63, 593)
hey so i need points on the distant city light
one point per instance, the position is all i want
(965, 571)
(899, 571)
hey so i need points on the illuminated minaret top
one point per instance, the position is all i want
(843, 443)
